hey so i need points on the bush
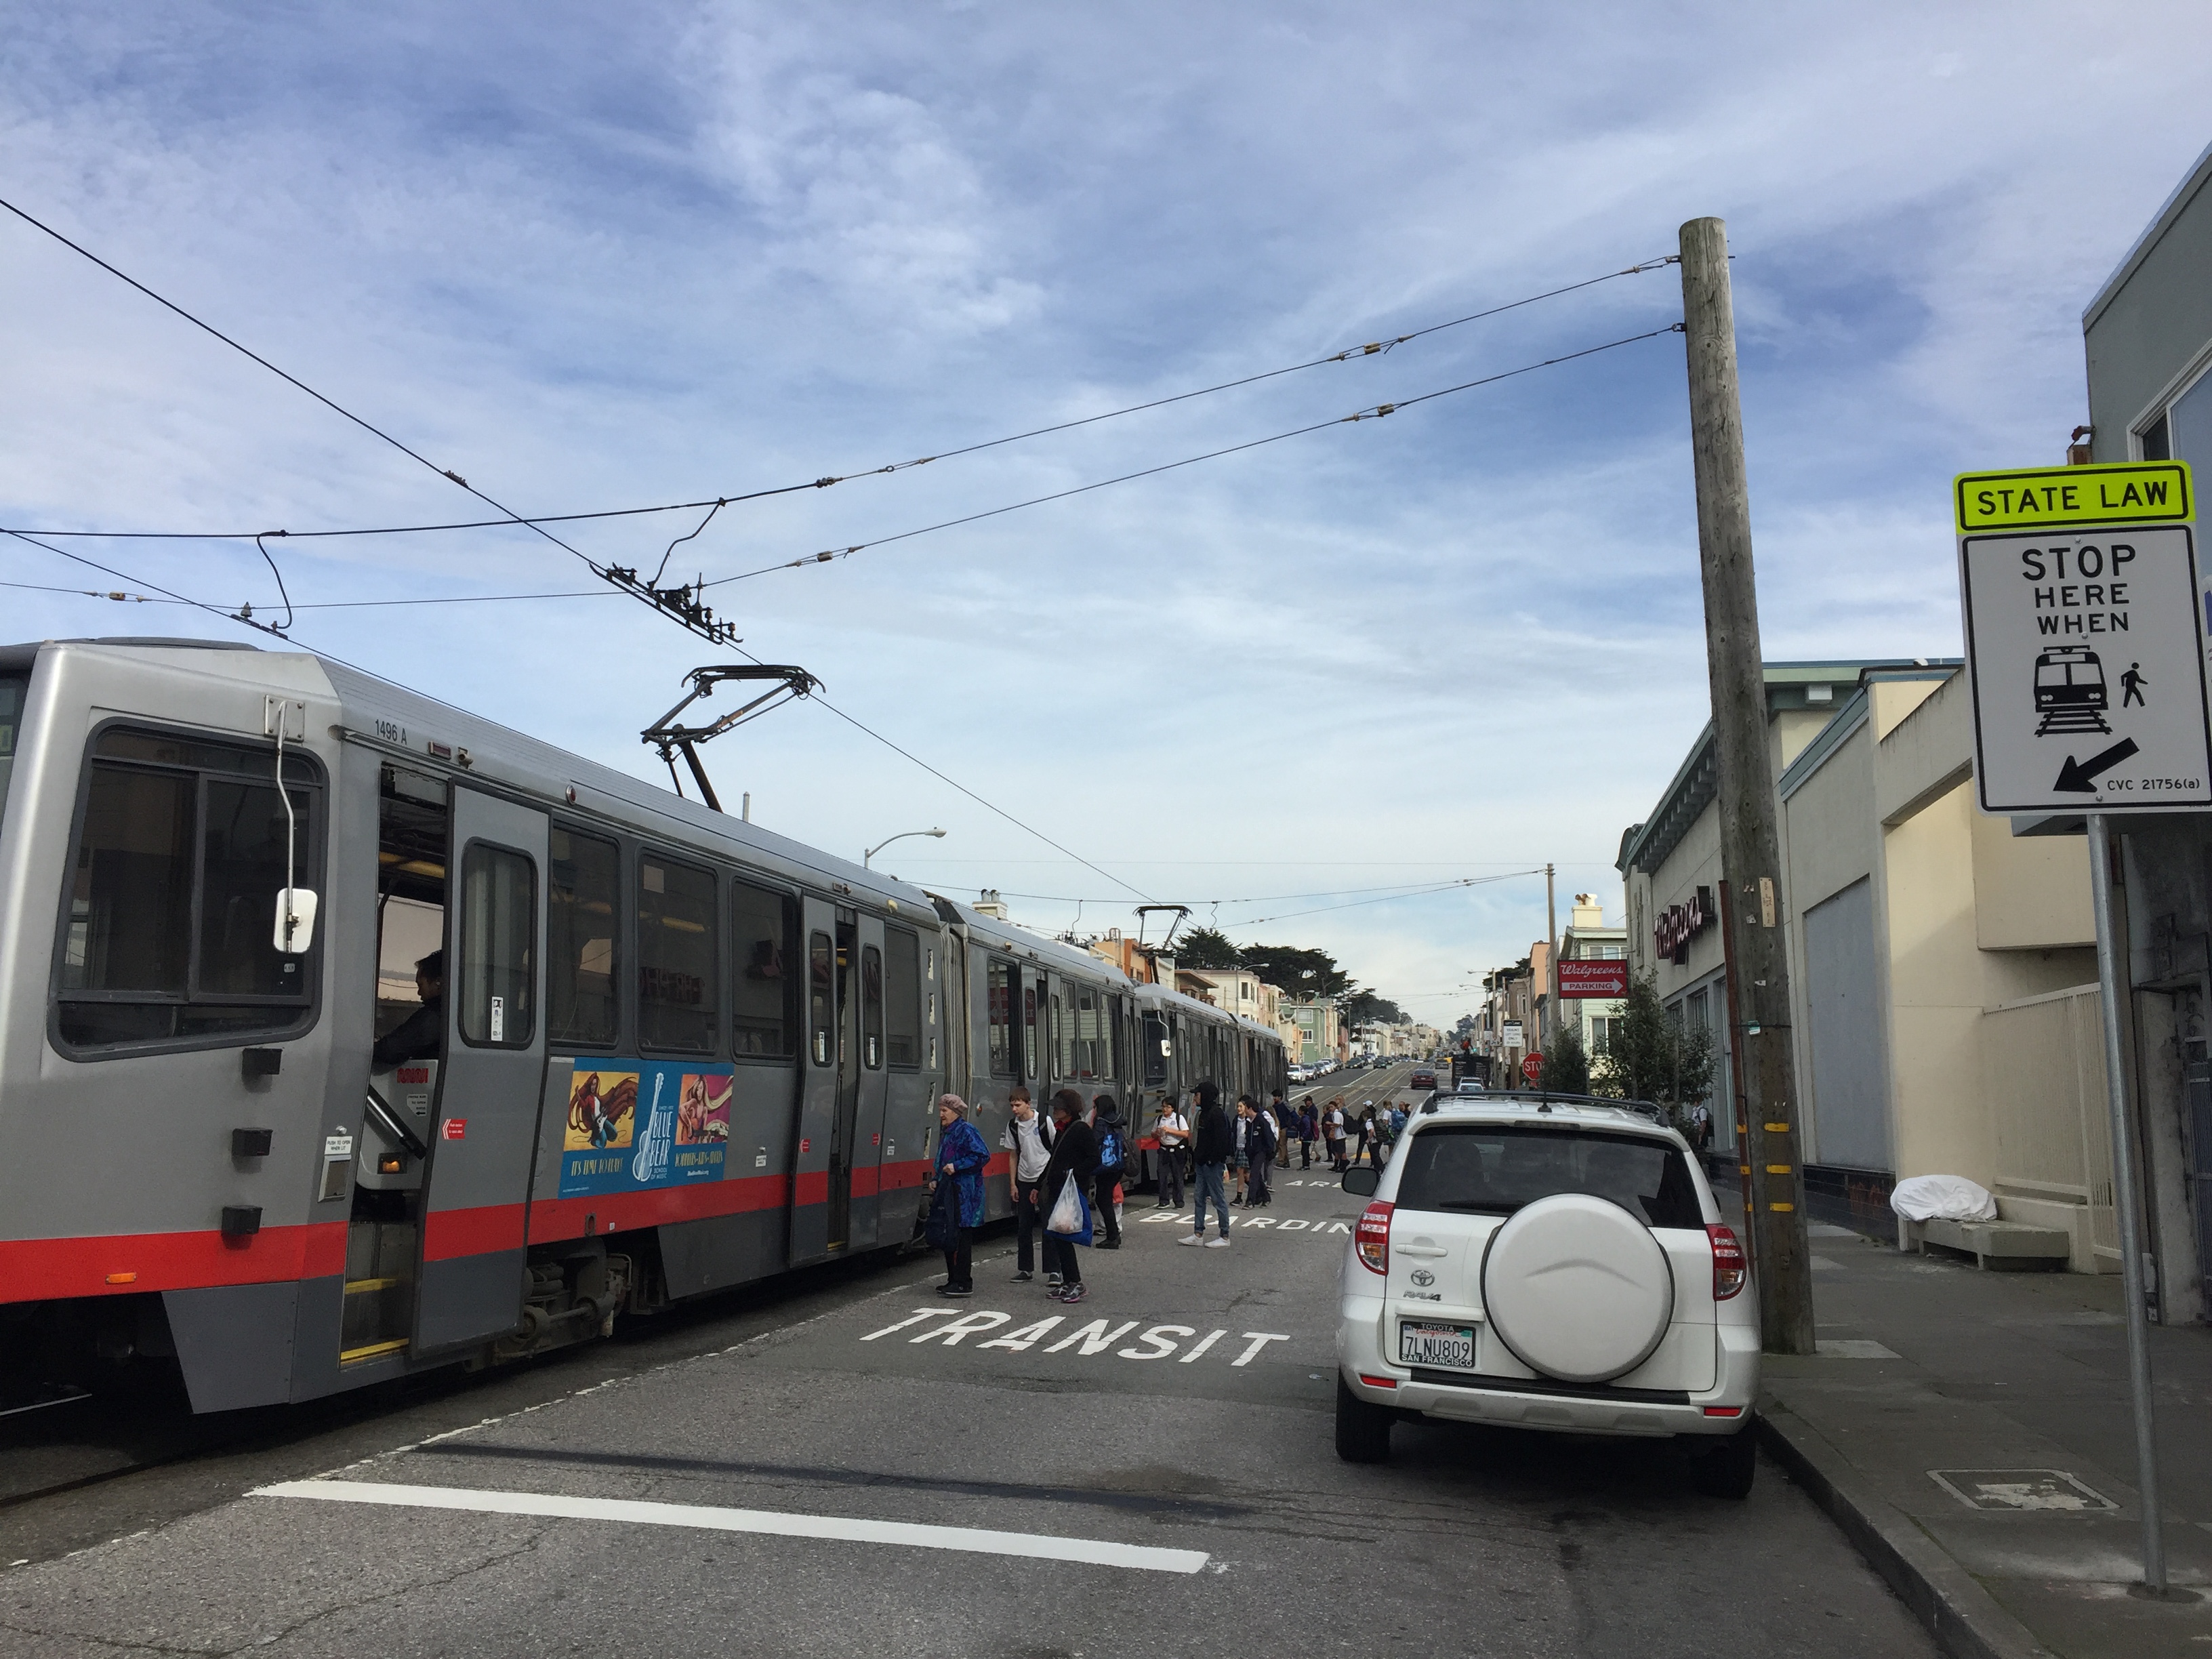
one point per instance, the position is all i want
(1566, 1063)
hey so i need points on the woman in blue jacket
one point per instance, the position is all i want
(956, 1187)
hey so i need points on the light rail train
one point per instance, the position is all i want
(676, 1051)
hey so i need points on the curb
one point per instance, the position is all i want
(1947, 1600)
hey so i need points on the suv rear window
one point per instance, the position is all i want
(1495, 1169)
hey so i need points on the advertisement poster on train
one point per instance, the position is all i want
(635, 1124)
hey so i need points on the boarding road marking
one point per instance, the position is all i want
(1043, 1547)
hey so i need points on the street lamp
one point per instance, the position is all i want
(902, 836)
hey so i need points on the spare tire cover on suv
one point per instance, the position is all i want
(1577, 1288)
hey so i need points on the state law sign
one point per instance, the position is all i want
(2085, 623)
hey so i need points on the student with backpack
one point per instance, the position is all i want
(1309, 1132)
(1260, 1142)
(1113, 1155)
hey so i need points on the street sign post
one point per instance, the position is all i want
(2081, 595)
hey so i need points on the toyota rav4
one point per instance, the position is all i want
(1548, 1263)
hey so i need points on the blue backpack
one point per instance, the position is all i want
(1110, 1149)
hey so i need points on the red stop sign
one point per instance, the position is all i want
(1532, 1067)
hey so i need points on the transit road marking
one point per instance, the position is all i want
(1096, 1337)
(1043, 1547)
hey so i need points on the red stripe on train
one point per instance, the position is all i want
(37, 1269)
(40, 1269)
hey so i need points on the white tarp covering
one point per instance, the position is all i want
(1942, 1198)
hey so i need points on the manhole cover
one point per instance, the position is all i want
(2019, 1488)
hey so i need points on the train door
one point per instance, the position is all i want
(476, 1182)
(870, 1084)
(811, 1175)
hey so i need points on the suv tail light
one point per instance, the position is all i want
(1371, 1237)
(1727, 1261)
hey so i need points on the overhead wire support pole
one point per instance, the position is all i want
(2127, 1207)
(1750, 832)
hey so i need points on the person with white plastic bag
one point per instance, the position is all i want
(1062, 1192)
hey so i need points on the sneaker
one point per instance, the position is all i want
(1109, 1244)
(1192, 1238)
(1052, 1281)
(969, 1290)
(1024, 1276)
(1220, 1244)
(1073, 1293)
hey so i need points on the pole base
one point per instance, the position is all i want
(2171, 1593)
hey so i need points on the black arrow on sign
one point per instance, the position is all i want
(2078, 777)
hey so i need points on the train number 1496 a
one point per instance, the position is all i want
(391, 732)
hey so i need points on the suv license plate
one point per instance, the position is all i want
(1448, 1346)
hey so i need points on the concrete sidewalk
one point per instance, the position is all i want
(1971, 1431)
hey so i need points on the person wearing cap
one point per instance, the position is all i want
(956, 1188)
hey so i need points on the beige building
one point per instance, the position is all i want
(1670, 864)
(1942, 970)
(1235, 990)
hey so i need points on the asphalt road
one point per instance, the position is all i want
(853, 1465)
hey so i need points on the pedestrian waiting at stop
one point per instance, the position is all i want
(1260, 1142)
(1028, 1138)
(1240, 1161)
(1362, 1130)
(956, 1189)
(1113, 1155)
(1074, 1161)
(1172, 1130)
(1309, 1132)
(1211, 1144)
(1284, 1122)
(1331, 1129)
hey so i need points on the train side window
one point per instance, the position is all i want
(14, 689)
(872, 1007)
(998, 1013)
(498, 936)
(676, 954)
(1158, 1046)
(583, 894)
(167, 925)
(1086, 1036)
(1031, 1048)
(902, 999)
(760, 925)
(821, 987)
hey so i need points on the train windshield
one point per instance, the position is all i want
(13, 690)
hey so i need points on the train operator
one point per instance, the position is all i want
(420, 1036)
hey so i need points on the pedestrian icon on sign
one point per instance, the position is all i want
(2131, 685)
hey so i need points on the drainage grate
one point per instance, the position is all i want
(2020, 1489)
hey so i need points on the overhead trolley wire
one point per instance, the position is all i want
(1372, 411)
(705, 626)
(716, 502)
(1389, 896)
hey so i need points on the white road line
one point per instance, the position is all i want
(1038, 1546)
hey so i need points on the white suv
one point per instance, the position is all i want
(1552, 1264)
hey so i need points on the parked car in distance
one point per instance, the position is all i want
(1424, 1077)
(1555, 1263)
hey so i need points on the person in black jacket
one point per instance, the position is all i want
(1112, 1154)
(1074, 1157)
(423, 1033)
(1211, 1147)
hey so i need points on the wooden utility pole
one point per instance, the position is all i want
(1548, 1030)
(1750, 863)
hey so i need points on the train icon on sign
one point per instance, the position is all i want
(2071, 694)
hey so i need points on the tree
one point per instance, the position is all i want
(1369, 1007)
(1208, 947)
(1566, 1063)
(1650, 1057)
(1286, 967)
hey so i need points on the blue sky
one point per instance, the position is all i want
(591, 257)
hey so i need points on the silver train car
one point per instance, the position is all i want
(675, 1052)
